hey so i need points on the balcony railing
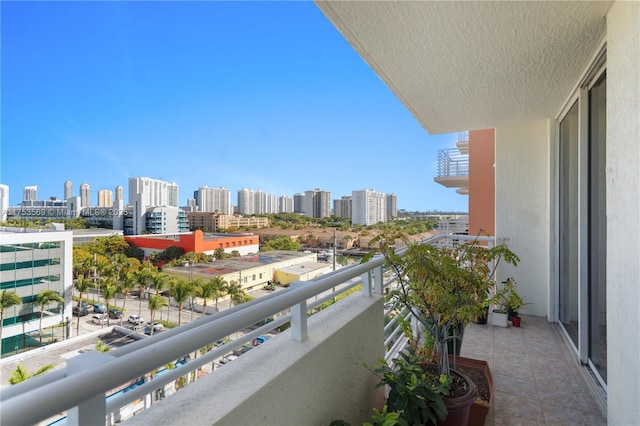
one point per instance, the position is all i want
(88, 377)
(452, 163)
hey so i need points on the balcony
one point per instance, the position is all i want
(453, 168)
(311, 373)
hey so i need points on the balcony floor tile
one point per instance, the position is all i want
(537, 376)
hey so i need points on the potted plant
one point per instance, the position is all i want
(444, 288)
(500, 311)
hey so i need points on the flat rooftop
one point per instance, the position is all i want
(235, 264)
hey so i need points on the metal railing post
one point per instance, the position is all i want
(94, 407)
(366, 279)
(378, 281)
(299, 317)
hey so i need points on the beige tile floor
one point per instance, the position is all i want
(538, 378)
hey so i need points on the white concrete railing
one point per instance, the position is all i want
(80, 388)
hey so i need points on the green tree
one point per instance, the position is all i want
(205, 290)
(135, 252)
(280, 243)
(120, 265)
(20, 374)
(102, 347)
(155, 302)
(180, 290)
(219, 288)
(83, 285)
(144, 281)
(7, 300)
(127, 284)
(220, 253)
(44, 298)
(236, 293)
(109, 291)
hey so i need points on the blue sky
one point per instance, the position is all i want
(258, 95)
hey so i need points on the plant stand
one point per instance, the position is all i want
(499, 319)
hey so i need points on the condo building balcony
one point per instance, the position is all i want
(311, 373)
(453, 165)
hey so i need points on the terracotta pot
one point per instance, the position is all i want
(480, 409)
(458, 408)
(515, 321)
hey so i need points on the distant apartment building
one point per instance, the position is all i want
(368, 207)
(4, 201)
(213, 200)
(215, 222)
(391, 205)
(342, 207)
(246, 201)
(256, 202)
(105, 198)
(317, 203)
(85, 195)
(119, 193)
(30, 193)
(285, 204)
(166, 220)
(68, 190)
(145, 193)
(298, 202)
(33, 260)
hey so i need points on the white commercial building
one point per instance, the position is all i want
(4, 201)
(317, 203)
(34, 260)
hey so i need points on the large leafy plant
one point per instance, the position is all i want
(444, 287)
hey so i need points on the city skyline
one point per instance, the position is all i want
(264, 96)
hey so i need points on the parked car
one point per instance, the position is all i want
(80, 311)
(260, 339)
(242, 350)
(99, 308)
(115, 313)
(100, 319)
(135, 319)
(86, 305)
(157, 327)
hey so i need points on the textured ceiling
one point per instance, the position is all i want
(474, 65)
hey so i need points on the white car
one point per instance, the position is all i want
(135, 319)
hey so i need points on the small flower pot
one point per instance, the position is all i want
(515, 321)
(499, 319)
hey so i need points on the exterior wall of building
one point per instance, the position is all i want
(213, 199)
(105, 198)
(4, 202)
(85, 195)
(285, 204)
(368, 207)
(196, 242)
(523, 184)
(623, 212)
(317, 203)
(33, 261)
(68, 190)
(298, 203)
(30, 193)
(163, 220)
(482, 195)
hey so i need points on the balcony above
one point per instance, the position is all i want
(453, 168)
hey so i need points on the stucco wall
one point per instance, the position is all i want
(523, 208)
(482, 181)
(285, 382)
(623, 213)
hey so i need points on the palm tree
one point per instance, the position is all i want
(20, 374)
(7, 300)
(219, 288)
(159, 281)
(206, 290)
(181, 290)
(120, 264)
(143, 278)
(155, 302)
(43, 299)
(109, 290)
(124, 287)
(236, 293)
(83, 285)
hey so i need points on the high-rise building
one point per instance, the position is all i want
(246, 201)
(30, 193)
(342, 207)
(85, 195)
(368, 207)
(298, 202)
(68, 190)
(105, 198)
(317, 203)
(285, 204)
(146, 192)
(213, 199)
(4, 202)
(391, 205)
(119, 193)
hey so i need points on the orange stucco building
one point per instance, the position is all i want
(197, 242)
(482, 194)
